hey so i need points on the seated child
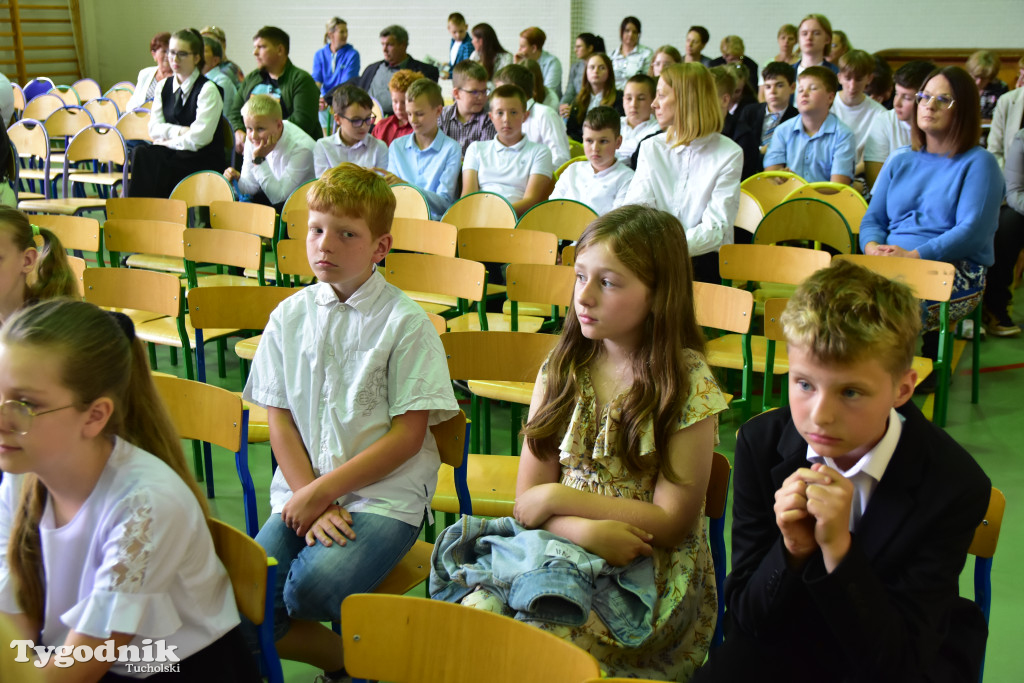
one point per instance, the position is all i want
(461, 47)
(352, 374)
(106, 543)
(602, 183)
(465, 120)
(757, 122)
(853, 513)
(598, 90)
(542, 124)
(511, 165)
(639, 122)
(353, 116)
(277, 157)
(428, 158)
(725, 87)
(852, 106)
(891, 130)
(396, 125)
(46, 264)
(816, 145)
(983, 66)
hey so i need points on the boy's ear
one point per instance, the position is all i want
(905, 387)
(618, 142)
(384, 246)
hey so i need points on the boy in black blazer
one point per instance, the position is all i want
(755, 123)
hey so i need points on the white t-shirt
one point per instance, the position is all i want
(331, 151)
(887, 134)
(602, 191)
(507, 170)
(631, 137)
(344, 370)
(859, 119)
(545, 127)
(698, 183)
(136, 558)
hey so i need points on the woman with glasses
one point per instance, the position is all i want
(185, 124)
(940, 201)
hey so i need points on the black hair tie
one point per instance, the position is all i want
(125, 323)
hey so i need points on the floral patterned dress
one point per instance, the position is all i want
(687, 605)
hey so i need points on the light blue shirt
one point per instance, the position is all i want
(831, 151)
(433, 170)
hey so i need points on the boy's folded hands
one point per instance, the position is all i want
(812, 510)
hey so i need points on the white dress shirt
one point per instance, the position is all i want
(545, 127)
(698, 183)
(507, 170)
(209, 109)
(631, 137)
(287, 166)
(332, 151)
(602, 190)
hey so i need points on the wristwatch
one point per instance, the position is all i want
(258, 160)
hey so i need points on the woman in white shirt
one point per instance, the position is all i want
(185, 124)
(107, 540)
(692, 171)
(630, 57)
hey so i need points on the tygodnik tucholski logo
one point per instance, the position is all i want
(154, 656)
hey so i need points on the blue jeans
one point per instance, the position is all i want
(313, 580)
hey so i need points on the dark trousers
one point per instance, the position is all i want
(705, 268)
(226, 660)
(1009, 241)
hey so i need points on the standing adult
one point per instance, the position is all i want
(630, 57)
(394, 42)
(145, 86)
(531, 46)
(335, 63)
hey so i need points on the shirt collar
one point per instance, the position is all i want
(606, 172)
(502, 147)
(359, 145)
(362, 299)
(874, 462)
(828, 126)
(186, 86)
(435, 144)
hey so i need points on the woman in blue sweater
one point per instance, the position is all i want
(940, 200)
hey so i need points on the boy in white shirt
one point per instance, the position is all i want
(352, 142)
(602, 184)
(639, 121)
(852, 106)
(891, 130)
(510, 165)
(542, 125)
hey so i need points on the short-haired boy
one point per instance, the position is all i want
(511, 165)
(758, 122)
(725, 86)
(891, 130)
(465, 120)
(816, 145)
(396, 125)
(601, 184)
(852, 512)
(461, 47)
(543, 125)
(853, 106)
(427, 158)
(639, 121)
(353, 117)
(352, 374)
(277, 156)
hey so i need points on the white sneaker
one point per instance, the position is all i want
(968, 329)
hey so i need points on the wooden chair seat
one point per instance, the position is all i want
(726, 352)
(30, 196)
(246, 348)
(39, 173)
(169, 264)
(513, 392)
(526, 308)
(435, 309)
(496, 322)
(105, 178)
(923, 366)
(492, 486)
(411, 570)
(224, 280)
(65, 207)
(165, 331)
(429, 298)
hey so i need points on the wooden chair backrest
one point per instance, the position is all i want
(74, 232)
(398, 638)
(41, 106)
(439, 323)
(144, 290)
(481, 210)
(503, 245)
(103, 111)
(750, 212)
(159, 238)
(986, 537)
(246, 563)
(436, 274)
(87, 89)
(718, 486)
(19, 97)
(423, 236)
(246, 217)
(930, 280)
(78, 268)
(134, 125)
(31, 139)
(297, 199)
(847, 200)
(771, 187)
(67, 94)
(496, 356)
(569, 255)
(202, 188)
(563, 217)
(450, 436)
(127, 85)
(805, 219)
(246, 308)
(770, 263)
(202, 411)
(291, 258)
(410, 202)
(97, 141)
(120, 97)
(67, 121)
(225, 247)
(540, 283)
(773, 309)
(296, 222)
(723, 308)
(153, 208)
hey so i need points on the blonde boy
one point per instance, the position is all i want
(465, 120)
(852, 106)
(853, 512)
(352, 142)
(639, 121)
(352, 374)
(427, 158)
(510, 165)
(602, 183)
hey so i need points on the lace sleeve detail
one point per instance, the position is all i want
(134, 547)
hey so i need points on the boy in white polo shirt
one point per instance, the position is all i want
(852, 106)
(352, 142)
(639, 121)
(602, 183)
(542, 124)
(510, 165)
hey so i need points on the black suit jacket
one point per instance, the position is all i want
(747, 134)
(890, 611)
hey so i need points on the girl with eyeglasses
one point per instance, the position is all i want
(941, 200)
(106, 534)
(185, 124)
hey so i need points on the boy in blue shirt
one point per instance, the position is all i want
(816, 145)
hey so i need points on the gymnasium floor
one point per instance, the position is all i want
(988, 430)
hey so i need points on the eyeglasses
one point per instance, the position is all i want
(18, 415)
(941, 100)
(180, 54)
(359, 123)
